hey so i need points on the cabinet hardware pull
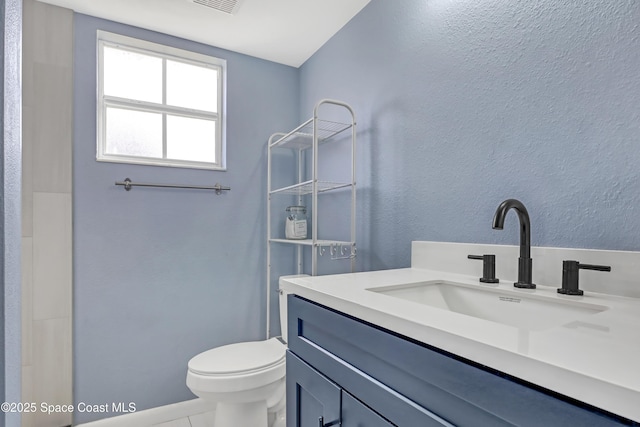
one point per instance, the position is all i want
(332, 423)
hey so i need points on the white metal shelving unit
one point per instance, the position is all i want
(305, 140)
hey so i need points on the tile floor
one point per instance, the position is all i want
(199, 420)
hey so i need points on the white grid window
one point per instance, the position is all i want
(159, 105)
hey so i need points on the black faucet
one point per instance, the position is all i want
(524, 262)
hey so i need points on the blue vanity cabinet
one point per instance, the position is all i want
(379, 378)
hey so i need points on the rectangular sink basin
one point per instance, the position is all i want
(531, 312)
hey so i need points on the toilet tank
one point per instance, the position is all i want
(282, 300)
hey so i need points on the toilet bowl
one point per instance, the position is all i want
(244, 381)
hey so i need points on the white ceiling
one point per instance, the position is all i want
(284, 31)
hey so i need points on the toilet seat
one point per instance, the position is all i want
(239, 358)
(236, 367)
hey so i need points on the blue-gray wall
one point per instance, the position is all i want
(462, 104)
(10, 201)
(163, 274)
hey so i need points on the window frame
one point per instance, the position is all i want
(107, 39)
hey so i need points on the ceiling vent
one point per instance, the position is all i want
(226, 6)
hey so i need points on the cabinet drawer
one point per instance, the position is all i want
(356, 354)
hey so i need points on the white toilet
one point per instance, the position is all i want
(245, 381)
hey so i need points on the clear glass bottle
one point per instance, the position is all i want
(296, 223)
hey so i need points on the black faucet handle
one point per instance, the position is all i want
(488, 268)
(594, 267)
(570, 276)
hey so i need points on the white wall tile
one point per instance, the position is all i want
(52, 135)
(52, 369)
(28, 48)
(27, 171)
(46, 215)
(50, 33)
(52, 256)
(27, 395)
(27, 300)
(48, 93)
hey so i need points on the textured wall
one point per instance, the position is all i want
(163, 274)
(10, 167)
(463, 104)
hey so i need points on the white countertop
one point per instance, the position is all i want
(595, 359)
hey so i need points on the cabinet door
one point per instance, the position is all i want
(312, 399)
(356, 414)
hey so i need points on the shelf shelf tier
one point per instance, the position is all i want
(310, 242)
(306, 187)
(301, 138)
